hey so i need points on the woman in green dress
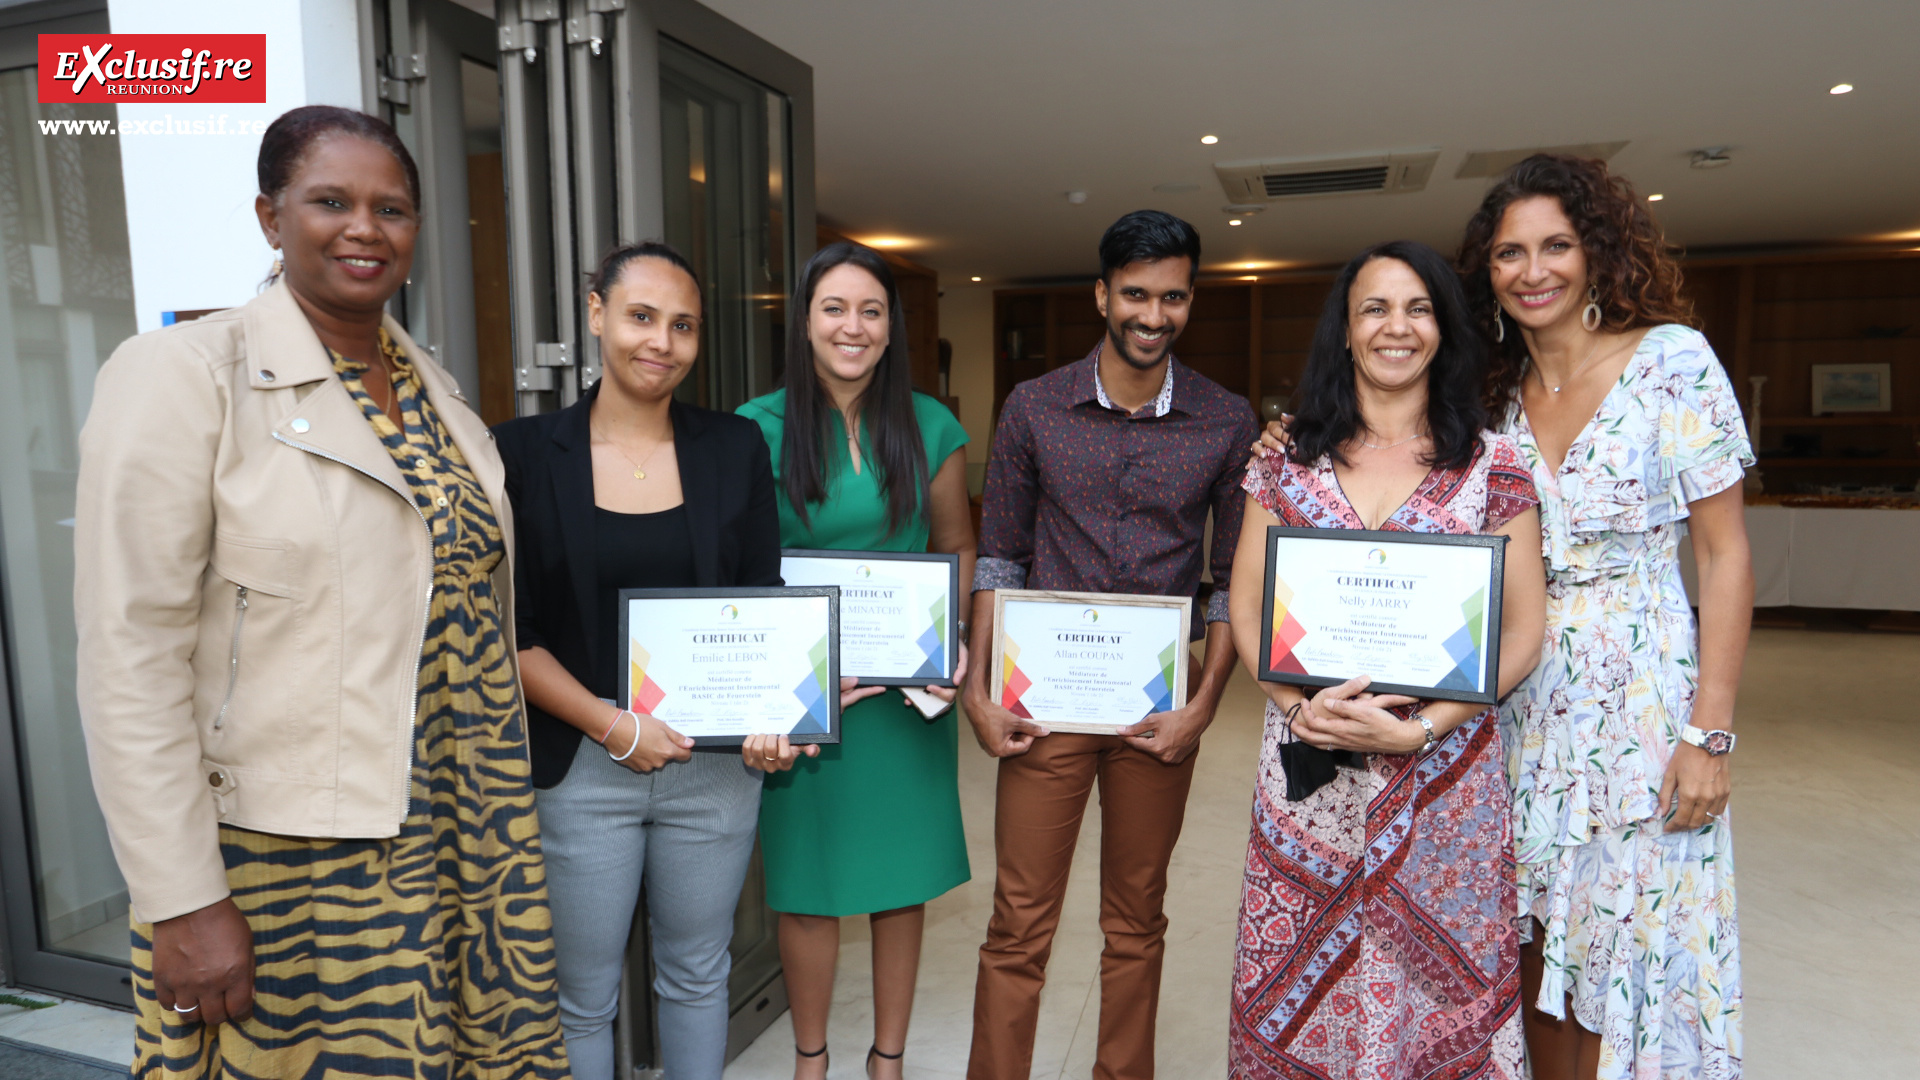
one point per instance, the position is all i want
(872, 825)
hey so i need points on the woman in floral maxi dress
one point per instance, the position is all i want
(1376, 937)
(1632, 434)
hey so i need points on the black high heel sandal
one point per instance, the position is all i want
(875, 1051)
(813, 1053)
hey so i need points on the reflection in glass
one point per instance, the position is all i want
(724, 148)
(68, 301)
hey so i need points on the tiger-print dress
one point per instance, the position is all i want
(428, 955)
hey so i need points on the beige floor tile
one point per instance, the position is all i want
(1827, 818)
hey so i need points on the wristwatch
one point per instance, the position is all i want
(1716, 743)
(1426, 725)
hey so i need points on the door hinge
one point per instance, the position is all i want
(589, 30)
(401, 70)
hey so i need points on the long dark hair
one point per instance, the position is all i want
(1327, 416)
(885, 408)
(1628, 261)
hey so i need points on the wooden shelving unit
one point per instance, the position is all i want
(1772, 315)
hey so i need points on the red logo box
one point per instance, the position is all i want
(129, 68)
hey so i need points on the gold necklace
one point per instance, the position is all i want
(639, 467)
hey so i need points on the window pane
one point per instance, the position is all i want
(68, 301)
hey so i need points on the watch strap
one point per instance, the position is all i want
(1713, 742)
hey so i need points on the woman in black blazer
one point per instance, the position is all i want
(629, 488)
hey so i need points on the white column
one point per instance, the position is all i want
(191, 230)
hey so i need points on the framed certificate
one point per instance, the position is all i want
(1419, 612)
(1089, 662)
(722, 664)
(898, 618)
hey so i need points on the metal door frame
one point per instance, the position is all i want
(564, 209)
(23, 959)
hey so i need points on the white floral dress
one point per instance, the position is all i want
(1640, 925)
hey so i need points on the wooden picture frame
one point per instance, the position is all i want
(1163, 668)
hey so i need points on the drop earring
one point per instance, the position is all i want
(1590, 315)
(1499, 326)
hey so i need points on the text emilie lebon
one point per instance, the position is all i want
(211, 68)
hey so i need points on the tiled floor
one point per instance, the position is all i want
(1827, 809)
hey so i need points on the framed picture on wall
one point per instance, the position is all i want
(1839, 388)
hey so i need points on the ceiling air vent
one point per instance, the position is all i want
(1296, 178)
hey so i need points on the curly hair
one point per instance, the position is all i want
(1628, 259)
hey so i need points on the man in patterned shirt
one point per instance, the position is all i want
(1102, 476)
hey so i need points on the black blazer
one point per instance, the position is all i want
(726, 477)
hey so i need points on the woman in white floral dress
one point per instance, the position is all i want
(1617, 743)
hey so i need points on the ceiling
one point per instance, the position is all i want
(963, 125)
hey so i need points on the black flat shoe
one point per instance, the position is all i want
(874, 1052)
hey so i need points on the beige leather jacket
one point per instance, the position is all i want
(252, 583)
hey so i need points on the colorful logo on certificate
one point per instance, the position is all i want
(1091, 615)
(729, 612)
(1160, 689)
(1013, 682)
(863, 571)
(933, 641)
(1287, 631)
(1377, 557)
(812, 693)
(1464, 645)
(644, 695)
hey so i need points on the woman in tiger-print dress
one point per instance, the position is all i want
(379, 904)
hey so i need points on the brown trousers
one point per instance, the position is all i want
(1042, 795)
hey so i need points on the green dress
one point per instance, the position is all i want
(873, 823)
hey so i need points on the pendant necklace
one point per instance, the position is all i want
(1576, 368)
(639, 467)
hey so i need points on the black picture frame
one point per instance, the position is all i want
(1496, 548)
(953, 604)
(832, 592)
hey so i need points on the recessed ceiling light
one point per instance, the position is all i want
(888, 241)
(1655, 198)
(1251, 277)
(1843, 88)
(976, 277)
(1209, 140)
(1233, 221)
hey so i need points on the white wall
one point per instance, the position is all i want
(966, 321)
(190, 224)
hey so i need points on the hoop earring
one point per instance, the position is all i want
(1499, 326)
(1590, 315)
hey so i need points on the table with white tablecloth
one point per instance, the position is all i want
(1830, 557)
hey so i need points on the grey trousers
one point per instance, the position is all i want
(687, 831)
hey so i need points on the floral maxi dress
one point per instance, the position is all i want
(1376, 938)
(1640, 924)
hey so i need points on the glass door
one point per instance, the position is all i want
(625, 121)
(66, 302)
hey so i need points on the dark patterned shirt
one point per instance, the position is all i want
(1087, 498)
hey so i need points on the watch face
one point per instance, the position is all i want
(1719, 742)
